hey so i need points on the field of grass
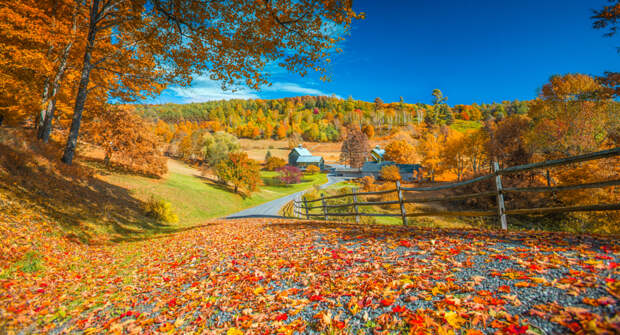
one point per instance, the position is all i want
(464, 126)
(196, 199)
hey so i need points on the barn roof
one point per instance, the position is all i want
(309, 159)
(301, 151)
(377, 153)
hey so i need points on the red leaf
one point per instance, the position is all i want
(281, 317)
(405, 243)
(398, 309)
(387, 302)
(514, 329)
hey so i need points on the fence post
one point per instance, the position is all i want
(306, 205)
(402, 204)
(324, 208)
(501, 209)
(357, 213)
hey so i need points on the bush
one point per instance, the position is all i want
(313, 169)
(390, 173)
(274, 163)
(289, 175)
(367, 183)
(160, 210)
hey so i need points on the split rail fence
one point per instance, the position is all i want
(303, 206)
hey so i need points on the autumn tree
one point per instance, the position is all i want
(430, 149)
(475, 148)
(274, 163)
(400, 151)
(454, 155)
(368, 130)
(607, 18)
(149, 44)
(240, 171)
(124, 135)
(35, 44)
(355, 148)
(217, 146)
(507, 141)
(571, 116)
(390, 173)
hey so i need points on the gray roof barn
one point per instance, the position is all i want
(301, 158)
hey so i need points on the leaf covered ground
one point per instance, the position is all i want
(275, 276)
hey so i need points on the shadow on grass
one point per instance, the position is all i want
(84, 206)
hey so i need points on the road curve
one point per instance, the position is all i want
(270, 209)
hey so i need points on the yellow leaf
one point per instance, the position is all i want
(234, 331)
(259, 290)
(453, 319)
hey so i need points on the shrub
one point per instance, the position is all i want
(289, 175)
(367, 183)
(313, 169)
(390, 173)
(160, 210)
(274, 163)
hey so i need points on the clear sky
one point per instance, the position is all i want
(473, 50)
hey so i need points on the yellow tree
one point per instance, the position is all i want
(570, 117)
(400, 151)
(430, 149)
(475, 148)
(150, 43)
(454, 155)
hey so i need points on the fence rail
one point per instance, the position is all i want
(302, 209)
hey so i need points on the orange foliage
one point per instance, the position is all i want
(240, 171)
(123, 135)
(273, 163)
(390, 173)
(400, 151)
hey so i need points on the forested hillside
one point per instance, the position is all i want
(320, 118)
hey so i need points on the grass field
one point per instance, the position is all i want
(463, 126)
(196, 199)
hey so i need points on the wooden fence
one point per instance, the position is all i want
(303, 207)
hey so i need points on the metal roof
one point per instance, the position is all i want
(377, 153)
(301, 151)
(309, 159)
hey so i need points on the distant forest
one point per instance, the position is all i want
(321, 118)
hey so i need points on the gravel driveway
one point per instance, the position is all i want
(271, 208)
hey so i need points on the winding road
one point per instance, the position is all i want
(270, 209)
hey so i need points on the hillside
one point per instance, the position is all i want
(94, 203)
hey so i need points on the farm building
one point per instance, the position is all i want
(373, 167)
(407, 171)
(302, 158)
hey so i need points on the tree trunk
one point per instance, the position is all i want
(106, 159)
(1, 119)
(47, 115)
(80, 99)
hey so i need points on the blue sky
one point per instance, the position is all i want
(474, 51)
